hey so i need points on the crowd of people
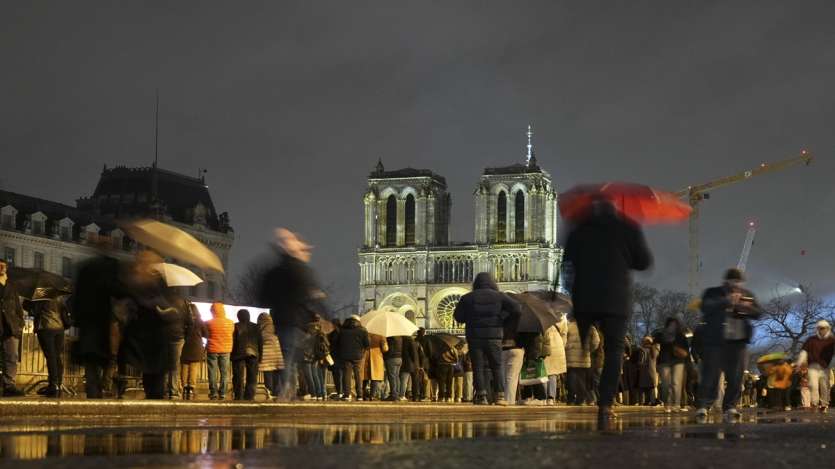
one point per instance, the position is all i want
(131, 324)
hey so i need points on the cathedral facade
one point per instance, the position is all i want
(408, 262)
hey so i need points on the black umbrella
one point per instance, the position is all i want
(36, 284)
(537, 313)
(440, 343)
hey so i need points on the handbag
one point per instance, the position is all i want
(533, 372)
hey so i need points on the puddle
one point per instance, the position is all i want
(710, 435)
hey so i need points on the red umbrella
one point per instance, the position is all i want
(640, 203)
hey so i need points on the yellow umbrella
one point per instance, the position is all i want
(177, 276)
(172, 242)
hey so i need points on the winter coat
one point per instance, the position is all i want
(411, 357)
(646, 359)
(143, 311)
(602, 250)
(50, 315)
(819, 351)
(717, 310)
(555, 363)
(374, 366)
(578, 355)
(352, 341)
(193, 350)
(395, 347)
(287, 290)
(246, 340)
(96, 283)
(535, 345)
(484, 310)
(316, 345)
(271, 357)
(176, 325)
(221, 330)
(668, 343)
(11, 311)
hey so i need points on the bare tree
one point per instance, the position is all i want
(790, 322)
(645, 299)
(673, 304)
(246, 290)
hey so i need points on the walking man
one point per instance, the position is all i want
(817, 354)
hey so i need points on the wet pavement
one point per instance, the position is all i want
(402, 436)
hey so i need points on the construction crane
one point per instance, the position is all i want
(697, 193)
(746, 248)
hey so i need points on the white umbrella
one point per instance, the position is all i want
(172, 242)
(388, 323)
(177, 276)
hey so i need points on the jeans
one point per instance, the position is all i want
(292, 341)
(733, 358)
(244, 378)
(486, 356)
(468, 385)
(405, 383)
(552, 386)
(577, 380)
(175, 350)
(272, 381)
(351, 368)
(11, 346)
(52, 344)
(217, 363)
(393, 376)
(444, 372)
(314, 379)
(189, 373)
(613, 328)
(819, 386)
(513, 360)
(672, 380)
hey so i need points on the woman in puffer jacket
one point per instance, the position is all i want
(272, 361)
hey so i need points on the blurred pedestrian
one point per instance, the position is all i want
(484, 312)
(671, 361)
(578, 362)
(816, 354)
(725, 334)
(176, 327)
(351, 346)
(778, 383)
(51, 319)
(218, 348)
(601, 251)
(193, 354)
(272, 360)
(290, 290)
(11, 330)
(555, 364)
(246, 352)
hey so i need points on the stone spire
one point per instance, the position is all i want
(531, 160)
(380, 169)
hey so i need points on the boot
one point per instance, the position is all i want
(500, 400)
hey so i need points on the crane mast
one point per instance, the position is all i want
(746, 248)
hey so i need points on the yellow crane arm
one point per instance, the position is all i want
(804, 157)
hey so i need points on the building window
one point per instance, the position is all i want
(391, 221)
(39, 261)
(520, 217)
(38, 227)
(501, 221)
(410, 220)
(8, 221)
(66, 233)
(9, 255)
(446, 310)
(66, 267)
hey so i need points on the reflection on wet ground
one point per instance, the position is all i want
(32, 439)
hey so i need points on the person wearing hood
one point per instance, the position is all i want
(351, 345)
(817, 354)
(724, 337)
(647, 358)
(271, 359)
(674, 352)
(600, 252)
(218, 348)
(246, 352)
(484, 312)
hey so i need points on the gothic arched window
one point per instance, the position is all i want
(501, 218)
(410, 220)
(391, 221)
(520, 217)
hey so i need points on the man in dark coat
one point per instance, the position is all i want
(723, 338)
(96, 283)
(394, 361)
(351, 345)
(11, 330)
(177, 325)
(246, 352)
(484, 312)
(290, 291)
(600, 252)
(409, 368)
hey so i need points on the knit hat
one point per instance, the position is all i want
(823, 324)
(734, 274)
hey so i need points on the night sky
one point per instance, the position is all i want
(290, 104)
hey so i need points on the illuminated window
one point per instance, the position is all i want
(9, 255)
(410, 220)
(501, 222)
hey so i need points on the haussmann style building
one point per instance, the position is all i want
(408, 262)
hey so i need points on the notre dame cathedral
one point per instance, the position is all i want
(408, 262)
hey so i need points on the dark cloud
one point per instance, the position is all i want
(289, 105)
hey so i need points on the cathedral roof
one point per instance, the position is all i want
(381, 173)
(513, 169)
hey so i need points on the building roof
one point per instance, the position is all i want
(124, 192)
(380, 173)
(55, 211)
(514, 169)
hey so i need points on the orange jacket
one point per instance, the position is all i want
(780, 376)
(221, 330)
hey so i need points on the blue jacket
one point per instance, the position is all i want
(717, 310)
(485, 309)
